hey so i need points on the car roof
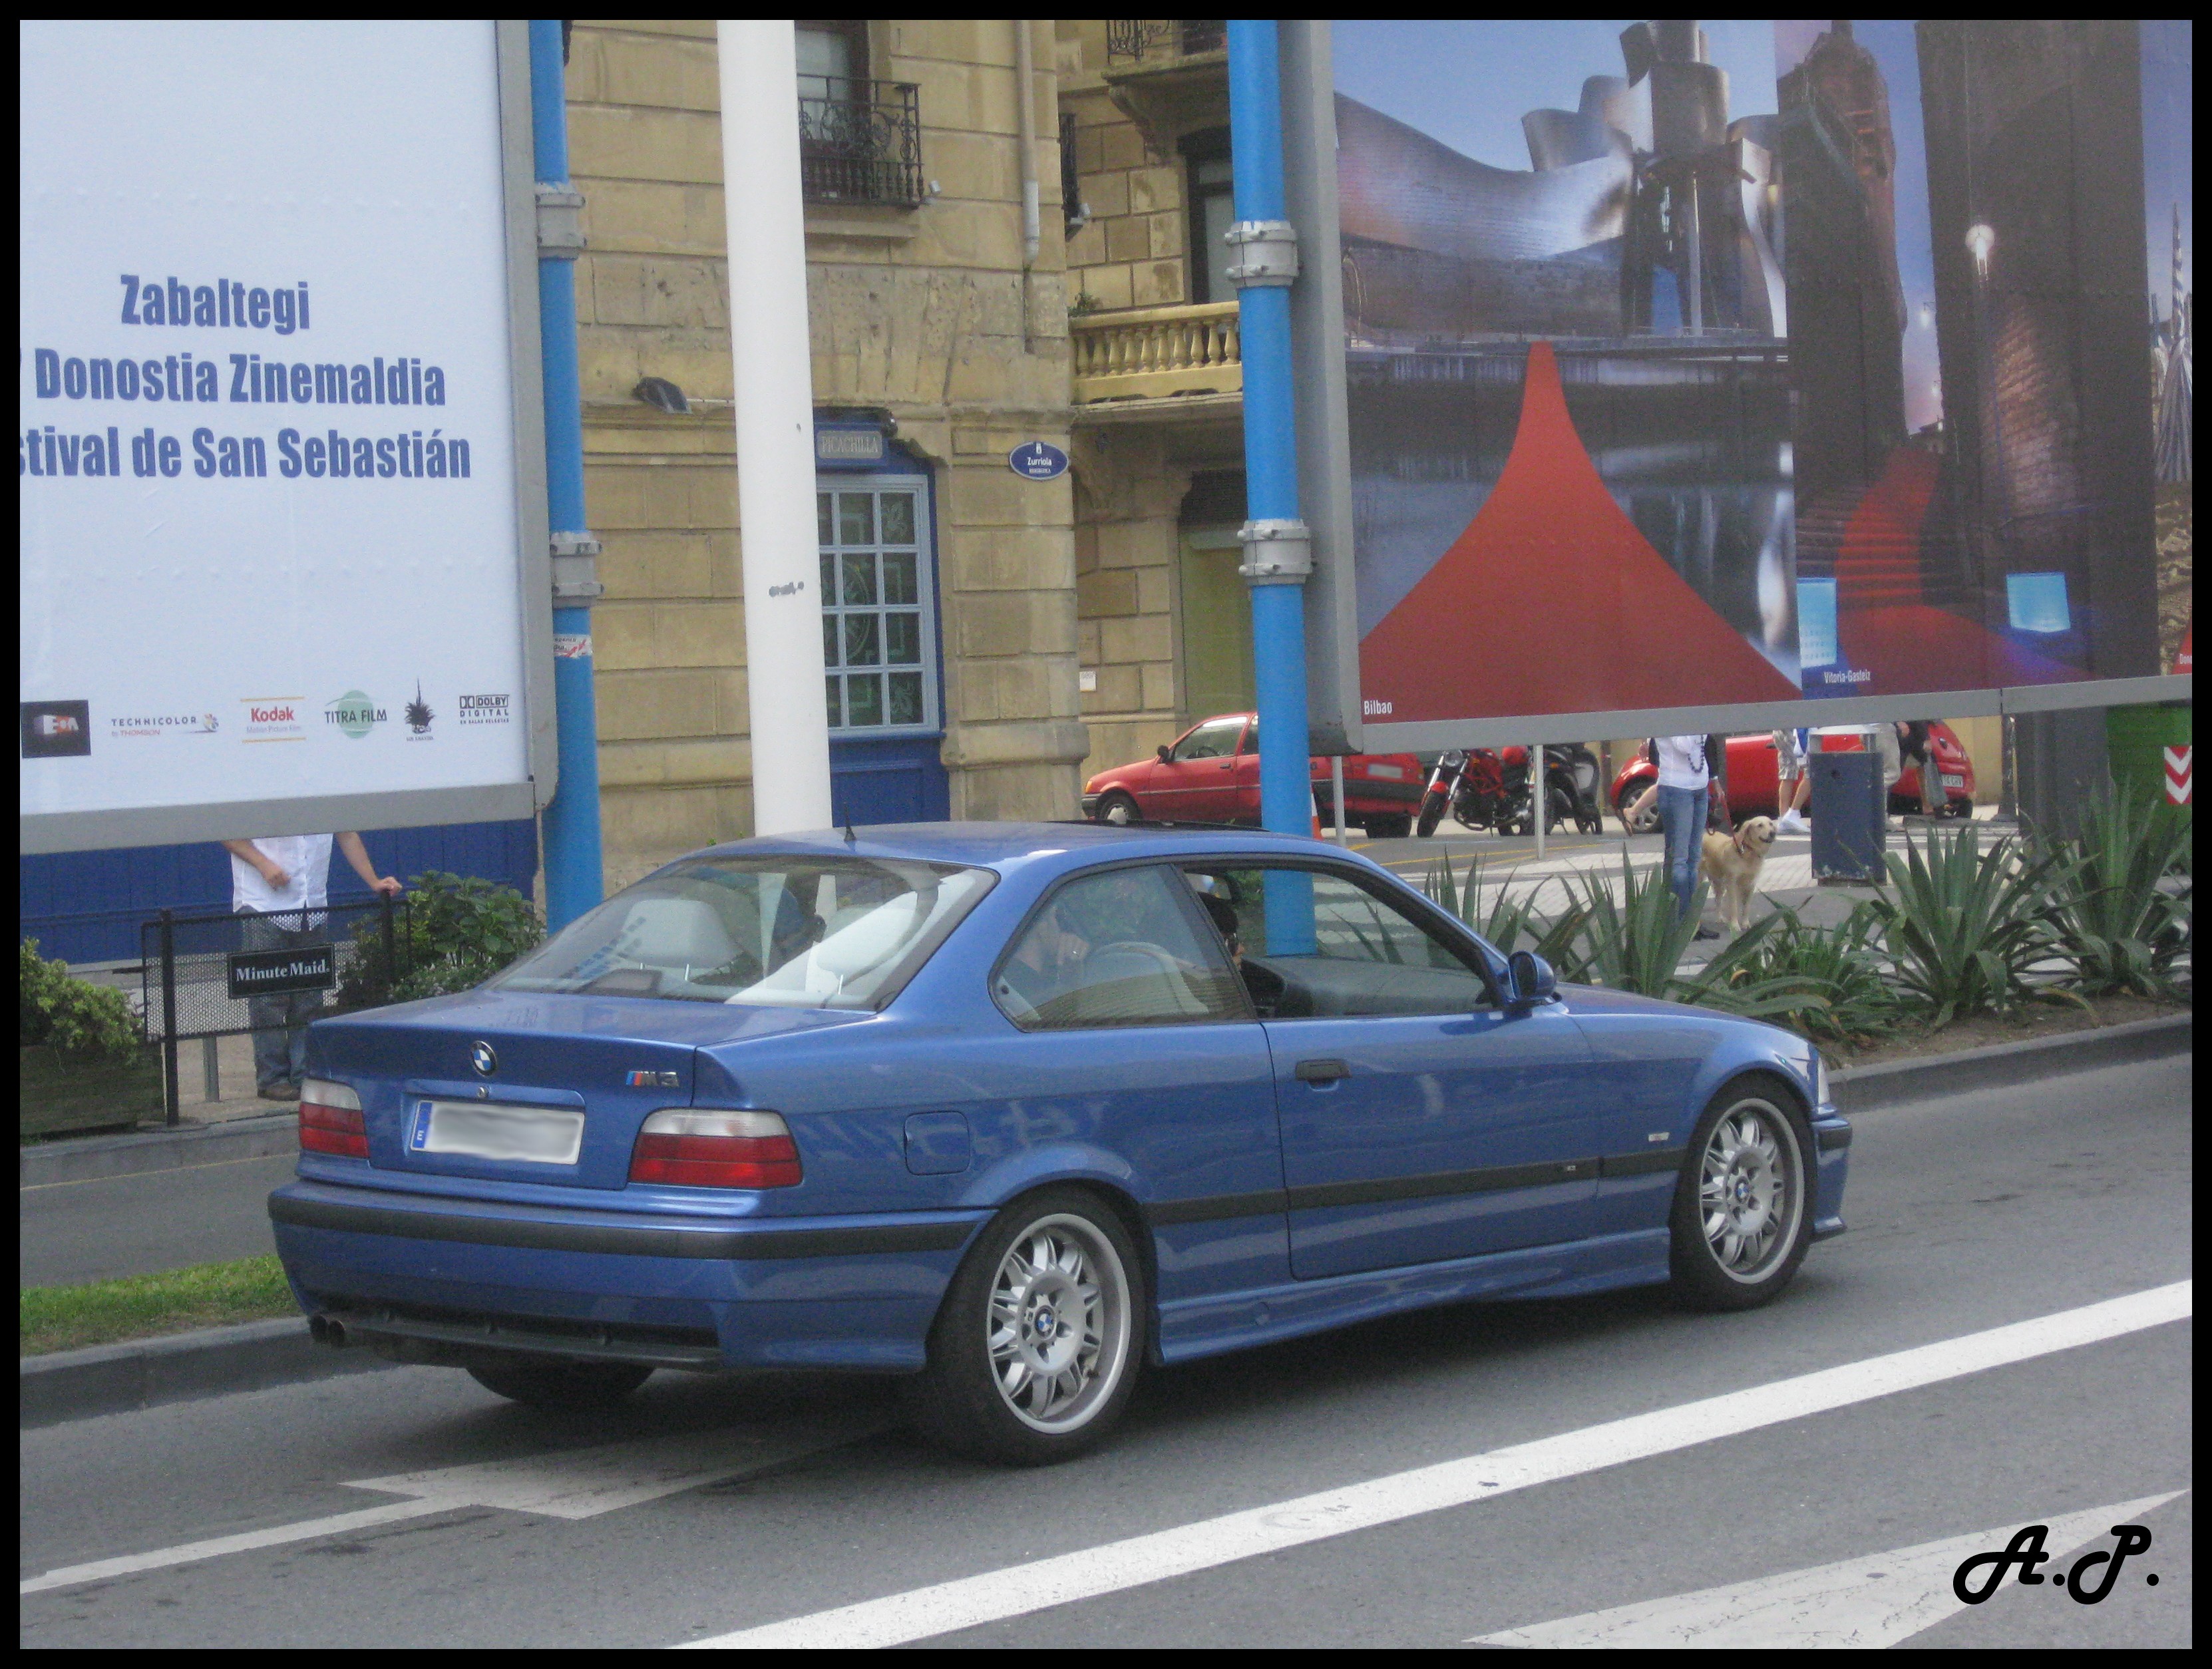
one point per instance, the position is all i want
(1008, 846)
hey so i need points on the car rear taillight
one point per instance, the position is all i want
(716, 1150)
(330, 1120)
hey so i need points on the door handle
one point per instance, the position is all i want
(1321, 1071)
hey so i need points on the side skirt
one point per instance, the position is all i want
(1194, 1327)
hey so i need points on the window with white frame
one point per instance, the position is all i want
(879, 619)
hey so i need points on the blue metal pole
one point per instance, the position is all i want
(575, 879)
(1271, 455)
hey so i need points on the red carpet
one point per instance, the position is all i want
(1884, 626)
(1552, 601)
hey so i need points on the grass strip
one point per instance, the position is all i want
(68, 1318)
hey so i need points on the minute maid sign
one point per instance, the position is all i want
(353, 713)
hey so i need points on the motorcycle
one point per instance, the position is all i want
(1487, 789)
(1470, 784)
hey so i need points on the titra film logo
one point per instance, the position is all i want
(2025, 1551)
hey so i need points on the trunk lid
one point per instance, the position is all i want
(612, 1059)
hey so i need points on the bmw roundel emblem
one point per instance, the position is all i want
(482, 1057)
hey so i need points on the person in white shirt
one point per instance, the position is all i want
(281, 884)
(1683, 779)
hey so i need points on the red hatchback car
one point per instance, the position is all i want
(1754, 787)
(1210, 773)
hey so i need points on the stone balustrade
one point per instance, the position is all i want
(1153, 352)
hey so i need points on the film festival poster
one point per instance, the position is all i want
(1759, 360)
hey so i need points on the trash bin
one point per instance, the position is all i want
(1850, 827)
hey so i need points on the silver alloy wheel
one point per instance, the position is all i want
(1751, 1190)
(1058, 1326)
(1119, 811)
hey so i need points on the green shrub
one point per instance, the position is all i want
(2125, 905)
(73, 1014)
(1963, 926)
(451, 934)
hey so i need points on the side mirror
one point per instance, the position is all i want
(1166, 753)
(1531, 978)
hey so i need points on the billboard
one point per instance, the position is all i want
(280, 456)
(1695, 375)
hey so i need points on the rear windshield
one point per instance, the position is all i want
(778, 932)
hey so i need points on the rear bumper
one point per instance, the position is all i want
(1364, 793)
(461, 1276)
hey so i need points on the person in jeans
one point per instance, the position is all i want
(1684, 785)
(281, 885)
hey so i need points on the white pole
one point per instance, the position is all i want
(1336, 786)
(774, 388)
(1537, 797)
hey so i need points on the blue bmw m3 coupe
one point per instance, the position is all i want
(1014, 1110)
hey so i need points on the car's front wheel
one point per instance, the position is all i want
(1117, 807)
(1743, 1216)
(560, 1385)
(1037, 1346)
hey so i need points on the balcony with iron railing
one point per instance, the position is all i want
(859, 141)
(1156, 352)
(1149, 40)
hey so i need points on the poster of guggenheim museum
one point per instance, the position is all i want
(1699, 363)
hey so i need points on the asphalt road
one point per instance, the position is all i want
(1837, 1501)
(71, 1232)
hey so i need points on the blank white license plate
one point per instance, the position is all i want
(536, 1135)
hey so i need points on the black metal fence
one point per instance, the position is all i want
(210, 976)
(859, 141)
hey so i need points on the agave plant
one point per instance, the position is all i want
(1637, 943)
(2124, 910)
(1848, 998)
(1963, 926)
(1511, 922)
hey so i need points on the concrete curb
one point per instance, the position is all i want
(1870, 1088)
(90, 1156)
(215, 1362)
(113, 1379)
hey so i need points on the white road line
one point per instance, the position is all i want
(992, 1596)
(582, 1484)
(338, 1524)
(1876, 1600)
(574, 1483)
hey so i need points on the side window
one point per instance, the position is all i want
(1216, 740)
(1310, 943)
(1115, 949)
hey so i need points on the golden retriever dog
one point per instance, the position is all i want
(1732, 863)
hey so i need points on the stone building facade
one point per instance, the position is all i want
(1075, 622)
(932, 345)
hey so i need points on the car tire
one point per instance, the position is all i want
(1433, 813)
(1116, 807)
(1742, 1216)
(557, 1386)
(983, 1394)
